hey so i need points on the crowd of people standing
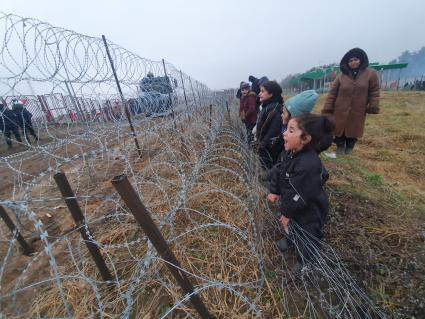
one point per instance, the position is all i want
(14, 121)
(288, 140)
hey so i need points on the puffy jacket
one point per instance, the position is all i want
(22, 115)
(269, 123)
(7, 119)
(299, 179)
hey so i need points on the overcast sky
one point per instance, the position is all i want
(221, 42)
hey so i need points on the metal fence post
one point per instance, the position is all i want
(127, 113)
(184, 90)
(193, 92)
(2, 100)
(74, 101)
(45, 109)
(132, 200)
(210, 115)
(169, 94)
(199, 97)
(77, 215)
(9, 223)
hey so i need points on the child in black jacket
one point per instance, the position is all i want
(297, 182)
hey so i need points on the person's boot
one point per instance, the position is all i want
(340, 149)
(283, 245)
(340, 145)
(349, 150)
(349, 146)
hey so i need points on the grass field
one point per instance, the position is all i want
(378, 205)
(376, 223)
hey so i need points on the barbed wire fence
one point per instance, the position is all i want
(86, 254)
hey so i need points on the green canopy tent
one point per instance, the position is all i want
(319, 76)
(383, 67)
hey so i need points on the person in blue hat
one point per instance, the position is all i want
(293, 107)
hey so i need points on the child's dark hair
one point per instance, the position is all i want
(319, 127)
(274, 89)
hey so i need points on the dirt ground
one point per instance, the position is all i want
(377, 221)
(377, 218)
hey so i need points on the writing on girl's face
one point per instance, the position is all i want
(264, 94)
(244, 92)
(294, 141)
(354, 63)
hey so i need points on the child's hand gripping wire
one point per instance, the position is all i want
(273, 198)
(284, 222)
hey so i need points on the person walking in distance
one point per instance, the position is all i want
(9, 125)
(23, 117)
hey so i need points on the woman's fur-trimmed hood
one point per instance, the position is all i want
(356, 52)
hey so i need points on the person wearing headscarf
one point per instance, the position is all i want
(269, 123)
(255, 87)
(247, 110)
(354, 93)
(238, 92)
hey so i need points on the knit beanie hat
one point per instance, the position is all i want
(301, 103)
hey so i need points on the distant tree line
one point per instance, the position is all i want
(415, 68)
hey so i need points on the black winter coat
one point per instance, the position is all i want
(269, 124)
(255, 86)
(7, 119)
(299, 179)
(22, 115)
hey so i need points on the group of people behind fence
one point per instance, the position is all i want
(16, 121)
(288, 139)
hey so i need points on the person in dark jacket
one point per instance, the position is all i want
(247, 110)
(269, 123)
(239, 91)
(8, 125)
(297, 182)
(254, 84)
(354, 93)
(23, 117)
(255, 87)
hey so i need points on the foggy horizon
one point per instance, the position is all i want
(221, 43)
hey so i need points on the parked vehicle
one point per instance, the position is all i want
(156, 95)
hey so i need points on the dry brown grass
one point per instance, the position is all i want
(375, 224)
(378, 204)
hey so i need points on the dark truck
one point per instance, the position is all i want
(155, 95)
